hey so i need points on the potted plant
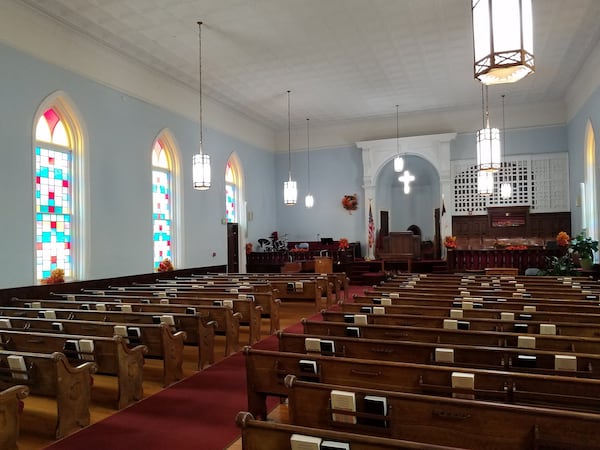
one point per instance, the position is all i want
(585, 247)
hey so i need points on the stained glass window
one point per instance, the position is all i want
(161, 204)
(53, 197)
(231, 194)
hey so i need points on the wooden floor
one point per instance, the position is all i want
(39, 414)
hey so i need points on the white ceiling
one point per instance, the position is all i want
(342, 59)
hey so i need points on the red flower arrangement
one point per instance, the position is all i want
(165, 266)
(450, 242)
(350, 202)
(344, 244)
(563, 239)
(57, 276)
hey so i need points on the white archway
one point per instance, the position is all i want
(434, 148)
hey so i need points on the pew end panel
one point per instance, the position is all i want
(130, 372)
(10, 412)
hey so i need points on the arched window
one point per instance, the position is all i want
(590, 208)
(162, 203)
(231, 192)
(54, 192)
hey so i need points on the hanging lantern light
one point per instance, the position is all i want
(398, 160)
(502, 40)
(485, 183)
(309, 200)
(505, 187)
(290, 189)
(200, 161)
(488, 143)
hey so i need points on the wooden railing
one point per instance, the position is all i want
(463, 260)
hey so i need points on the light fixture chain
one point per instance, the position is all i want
(289, 138)
(200, 78)
(397, 132)
(308, 151)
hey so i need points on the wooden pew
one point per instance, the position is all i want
(265, 371)
(305, 289)
(348, 310)
(566, 344)
(421, 308)
(111, 355)
(195, 324)
(51, 375)
(159, 339)
(185, 315)
(10, 411)
(470, 356)
(265, 300)
(469, 424)
(511, 304)
(259, 435)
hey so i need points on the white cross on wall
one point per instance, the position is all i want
(406, 178)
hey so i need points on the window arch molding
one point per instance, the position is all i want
(171, 149)
(76, 132)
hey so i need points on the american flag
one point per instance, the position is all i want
(371, 228)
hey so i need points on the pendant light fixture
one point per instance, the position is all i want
(398, 160)
(290, 190)
(200, 161)
(485, 183)
(488, 140)
(309, 200)
(505, 187)
(502, 40)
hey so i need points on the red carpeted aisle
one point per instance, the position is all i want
(197, 413)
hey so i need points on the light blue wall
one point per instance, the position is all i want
(576, 133)
(334, 173)
(120, 131)
(551, 139)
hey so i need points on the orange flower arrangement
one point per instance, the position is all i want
(165, 266)
(563, 239)
(56, 276)
(350, 202)
(343, 244)
(450, 242)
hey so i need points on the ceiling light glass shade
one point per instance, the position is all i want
(201, 171)
(505, 190)
(309, 201)
(488, 149)
(502, 40)
(290, 192)
(485, 183)
(398, 164)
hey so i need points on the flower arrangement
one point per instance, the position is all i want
(165, 266)
(57, 276)
(450, 242)
(344, 244)
(563, 239)
(249, 248)
(350, 202)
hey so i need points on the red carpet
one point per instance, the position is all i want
(197, 413)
